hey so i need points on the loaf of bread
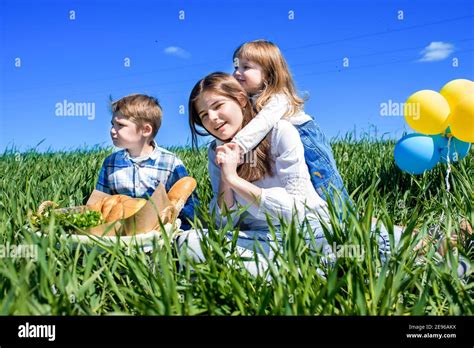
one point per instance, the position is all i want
(177, 195)
(118, 207)
(180, 192)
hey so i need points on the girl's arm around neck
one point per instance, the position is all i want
(253, 133)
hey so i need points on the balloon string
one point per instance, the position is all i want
(448, 171)
(437, 227)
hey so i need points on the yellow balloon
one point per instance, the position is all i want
(456, 90)
(427, 112)
(462, 120)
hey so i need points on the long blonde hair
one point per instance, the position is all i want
(227, 86)
(276, 74)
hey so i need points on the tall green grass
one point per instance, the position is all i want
(111, 280)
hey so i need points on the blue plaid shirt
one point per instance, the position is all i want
(139, 177)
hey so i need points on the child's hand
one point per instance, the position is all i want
(241, 152)
(235, 148)
(228, 158)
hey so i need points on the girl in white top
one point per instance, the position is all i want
(276, 181)
(263, 72)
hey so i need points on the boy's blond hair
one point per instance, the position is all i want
(140, 109)
(276, 74)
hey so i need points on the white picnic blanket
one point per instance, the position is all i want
(145, 241)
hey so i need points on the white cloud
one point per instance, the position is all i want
(435, 51)
(178, 52)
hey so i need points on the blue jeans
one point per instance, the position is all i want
(320, 161)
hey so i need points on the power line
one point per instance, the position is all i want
(374, 53)
(194, 80)
(115, 77)
(367, 66)
(315, 73)
(350, 38)
(362, 36)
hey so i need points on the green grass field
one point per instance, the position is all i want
(81, 281)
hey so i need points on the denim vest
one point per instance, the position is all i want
(320, 161)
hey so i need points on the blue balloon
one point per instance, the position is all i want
(416, 153)
(458, 149)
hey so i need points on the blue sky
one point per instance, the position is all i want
(48, 58)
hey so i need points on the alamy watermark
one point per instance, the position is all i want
(20, 251)
(76, 109)
(250, 157)
(28, 330)
(353, 251)
(391, 108)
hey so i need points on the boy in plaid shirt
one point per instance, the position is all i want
(139, 168)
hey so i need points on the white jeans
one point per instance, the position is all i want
(247, 246)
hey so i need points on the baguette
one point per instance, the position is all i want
(116, 213)
(132, 205)
(180, 192)
(118, 207)
(108, 204)
(97, 206)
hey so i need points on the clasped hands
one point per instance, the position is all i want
(228, 158)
